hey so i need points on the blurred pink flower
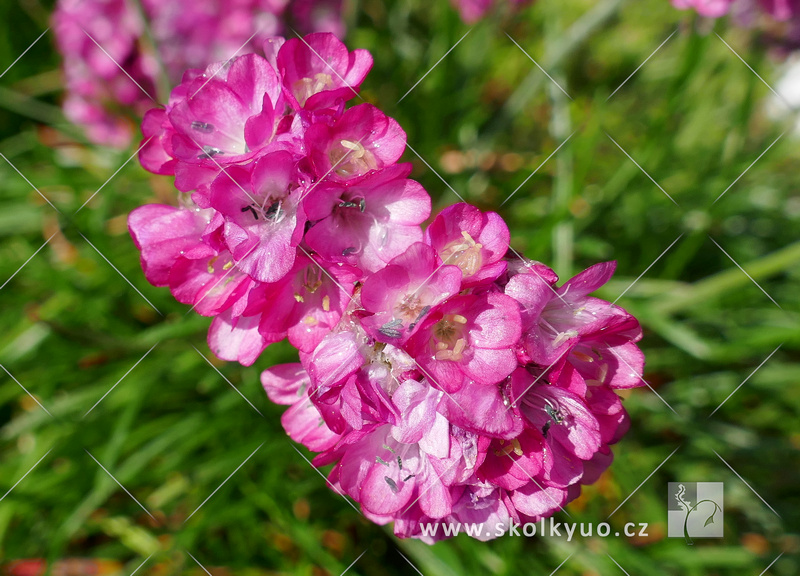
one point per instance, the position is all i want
(473, 10)
(110, 46)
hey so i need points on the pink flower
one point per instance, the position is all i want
(237, 338)
(399, 296)
(318, 70)
(533, 501)
(468, 338)
(110, 46)
(305, 304)
(554, 319)
(474, 241)
(511, 464)
(368, 221)
(221, 117)
(362, 140)
(386, 476)
(174, 254)
(570, 430)
(263, 220)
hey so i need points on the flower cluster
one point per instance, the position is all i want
(446, 381)
(110, 46)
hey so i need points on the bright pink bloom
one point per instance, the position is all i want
(370, 220)
(571, 432)
(221, 117)
(174, 254)
(468, 338)
(237, 338)
(554, 319)
(305, 304)
(400, 295)
(263, 220)
(318, 70)
(362, 140)
(473, 240)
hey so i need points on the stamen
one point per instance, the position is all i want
(211, 264)
(564, 336)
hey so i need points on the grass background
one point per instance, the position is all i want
(485, 118)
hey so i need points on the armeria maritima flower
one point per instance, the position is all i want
(444, 379)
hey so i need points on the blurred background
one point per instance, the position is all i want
(686, 175)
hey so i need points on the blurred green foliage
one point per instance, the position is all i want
(172, 430)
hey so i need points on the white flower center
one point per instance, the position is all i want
(464, 253)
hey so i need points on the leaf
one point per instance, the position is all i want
(710, 518)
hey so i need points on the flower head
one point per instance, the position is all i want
(444, 381)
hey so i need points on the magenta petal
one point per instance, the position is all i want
(383, 490)
(487, 510)
(481, 409)
(155, 154)
(498, 324)
(536, 503)
(563, 468)
(470, 239)
(162, 233)
(490, 366)
(416, 402)
(592, 469)
(304, 424)
(237, 339)
(253, 80)
(532, 292)
(627, 366)
(589, 280)
(285, 383)
(434, 497)
(334, 360)
(511, 464)
(318, 69)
